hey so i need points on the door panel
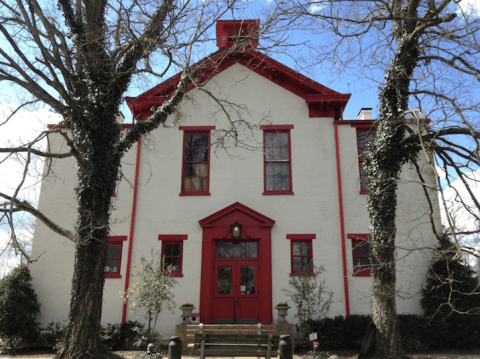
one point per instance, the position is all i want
(236, 297)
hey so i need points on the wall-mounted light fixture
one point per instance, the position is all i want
(236, 230)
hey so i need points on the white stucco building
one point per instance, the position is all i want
(298, 194)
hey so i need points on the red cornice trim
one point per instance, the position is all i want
(342, 223)
(207, 221)
(276, 127)
(302, 236)
(196, 128)
(132, 228)
(172, 237)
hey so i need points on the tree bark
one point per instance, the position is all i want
(384, 160)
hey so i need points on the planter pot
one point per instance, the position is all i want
(282, 313)
(186, 314)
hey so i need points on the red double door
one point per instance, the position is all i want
(236, 277)
(236, 294)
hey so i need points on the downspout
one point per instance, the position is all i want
(342, 222)
(132, 227)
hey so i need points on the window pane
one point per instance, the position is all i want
(297, 248)
(357, 250)
(203, 184)
(188, 170)
(269, 169)
(168, 249)
(305, 249)
(167, 262)
(176, 264)
(236, 250)
(228, 249)
(244, 251)
(195, 184)
(204, 156)
(116, 250)
(252, 249)
(269, 183)
(177, 249)
(247, 281)
(284, 146)
(277, 183)
(188, 184)
(114, 265)
(224, 280)
(306, 263)
(220, 250)
(297, 264)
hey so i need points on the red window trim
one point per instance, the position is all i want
(301, 238)
(277, 128)
(358, 238)
(174, 238)
(116, 240)
(189, 130)
(362, 128)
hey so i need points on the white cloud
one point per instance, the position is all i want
(469, 7)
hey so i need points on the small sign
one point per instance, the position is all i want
(312, 336)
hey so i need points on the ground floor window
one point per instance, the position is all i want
(172, 252)
(301, 254)
(361, 254)
(114, 256)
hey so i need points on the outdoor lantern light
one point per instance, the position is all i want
(236, 229)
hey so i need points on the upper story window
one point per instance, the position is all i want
(301, 253)
(172, 252)
(196, 160)
(364, 137)
(277, 159)
(114, 256)
(361, 254)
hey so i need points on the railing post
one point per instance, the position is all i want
(285, 347)
(259, 326)
(175, 348)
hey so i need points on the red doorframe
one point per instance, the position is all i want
(254, 225)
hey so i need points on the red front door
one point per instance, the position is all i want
(236, 292)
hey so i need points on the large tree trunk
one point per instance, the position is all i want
(384, 162)
(97, 179)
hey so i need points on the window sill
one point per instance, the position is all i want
(362, 273)
(186, 194)
(277, 193)
(177, 275)
(364, 191)
(113, 275)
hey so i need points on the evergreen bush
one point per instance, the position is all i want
(18, 309)
(452, 287)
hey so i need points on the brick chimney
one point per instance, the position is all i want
(365, 113)
(232, 32)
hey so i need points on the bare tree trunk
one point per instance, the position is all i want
(384, 162)
(96, 184)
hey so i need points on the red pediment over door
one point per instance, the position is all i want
(236, 278)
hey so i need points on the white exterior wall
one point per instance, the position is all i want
(236, 176)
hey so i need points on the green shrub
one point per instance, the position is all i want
(18, 309)
(452, 287)
(418, 333)
(54, 335)
(122, 336)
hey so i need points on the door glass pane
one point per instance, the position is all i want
(220, 250)
(251, 249)
(228, 249)
(247, 280)
(224, 280)
(236, 250)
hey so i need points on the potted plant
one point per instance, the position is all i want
(187, 309)
(282, 308)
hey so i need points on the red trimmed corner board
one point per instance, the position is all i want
(236, 281)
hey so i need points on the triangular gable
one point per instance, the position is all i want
(237, 208)
(322, 101)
